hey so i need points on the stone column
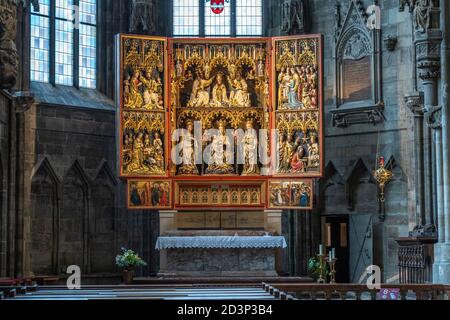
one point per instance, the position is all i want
(441, 268)
(24, 162)
(428, 64)
(415, 103)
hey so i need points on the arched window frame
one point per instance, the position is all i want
(73, 50)
(240, 12)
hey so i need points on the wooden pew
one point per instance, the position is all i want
(46, 280)
(341, 291)
(9, 292)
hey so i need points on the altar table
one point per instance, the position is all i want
(220, 255)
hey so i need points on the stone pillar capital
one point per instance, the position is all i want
(415, 103)
(428, 54)
(23, 100)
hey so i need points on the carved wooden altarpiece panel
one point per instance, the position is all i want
(220, 123)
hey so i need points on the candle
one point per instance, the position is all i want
(382, 162)
(321, 250)
(333, 253)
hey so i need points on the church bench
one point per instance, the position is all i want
(356, 291)
(8, 282)
(46, 280)
(9, 292)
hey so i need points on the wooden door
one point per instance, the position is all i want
(361, 244)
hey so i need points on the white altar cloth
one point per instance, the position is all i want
(221, 242)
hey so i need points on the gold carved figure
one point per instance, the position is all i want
(220, 152)
(134, 98)
(200, 90)
(188, 147)
(220, 97)
(239, 96)
(250, 150)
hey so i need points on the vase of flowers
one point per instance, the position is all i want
(314, 268)
(128, 260)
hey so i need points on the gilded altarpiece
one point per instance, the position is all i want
(297, 98)
(143, 107)
(234, 124)
(222, 86)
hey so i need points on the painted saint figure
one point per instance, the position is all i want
(219, 93)
(135, 100)
(292, 84)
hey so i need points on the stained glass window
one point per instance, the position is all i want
(40, 43)
(196, 18)
(54, 30)
(218, 25)
(249, 17)
(186, 20)
(88, 43)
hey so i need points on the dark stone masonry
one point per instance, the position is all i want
(62, 203)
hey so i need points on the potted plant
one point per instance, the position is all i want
(128, 260)
(314, 268)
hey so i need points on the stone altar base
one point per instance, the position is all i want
(219, 263)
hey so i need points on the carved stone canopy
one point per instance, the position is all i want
(357, 45)
(414, 102)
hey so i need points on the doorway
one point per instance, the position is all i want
(335, 235)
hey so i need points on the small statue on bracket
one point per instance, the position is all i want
(143, 16)
(293, 16)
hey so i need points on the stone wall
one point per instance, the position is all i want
(348, 187)
(77, 202)
(73, 202)
(4, 160)
(351, 152)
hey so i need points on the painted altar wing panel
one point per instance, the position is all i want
(291, 194)
(148, 194)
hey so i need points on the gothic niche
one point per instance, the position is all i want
(355, 67)
(358, 70)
